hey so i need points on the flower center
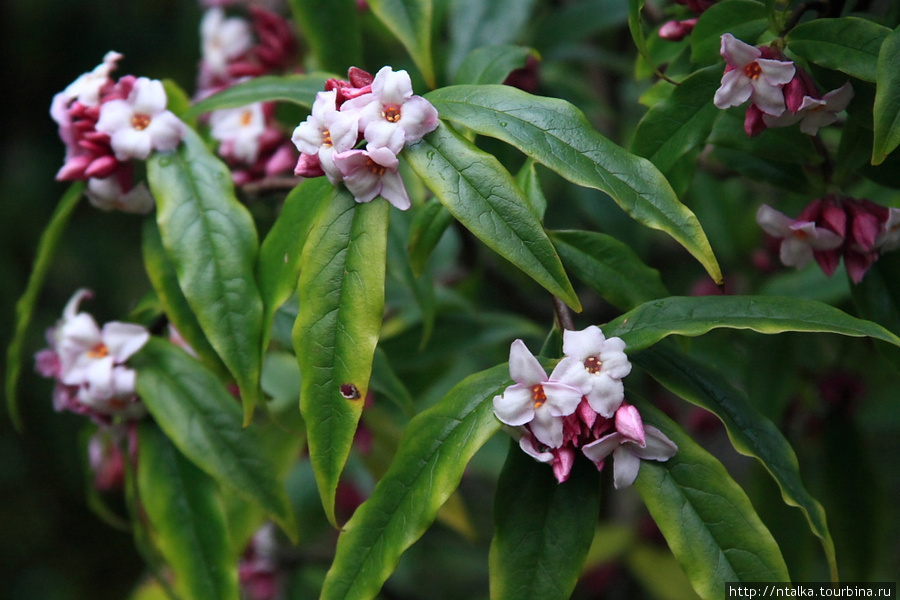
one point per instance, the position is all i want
(375, 168)
(753, 70)
(141, 121)
(246, 117)
(391, 113)
(592, 364)
(98, 351)
(538, 395)
(326, 138)
(801, 235)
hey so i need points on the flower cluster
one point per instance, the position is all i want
(104, 125)
(780, 93)
(832, 227)
(380, 110)
(235, 49)
(579, 406)
(88, 364)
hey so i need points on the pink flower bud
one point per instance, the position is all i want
(675, 31)
(630, 424)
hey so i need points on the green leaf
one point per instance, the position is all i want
(706, 518)
(542, 529)
(877, 298)
(751, 433)
(211, 241)
(887, 99)
(492, 64)
(430, 221)
(398, 263)
(692, 316)
(744, 19)
(25, 306)
(410, 22)
(636, 27)
(278, 268)
(475, 24)
(341, 292)
(165, 282)
(300, 89)
(331, 29)
(431, 459)
(848, 44)
(680, 123)
(483, 196)
(609, 267)
(186, 514)
(178, 102)
(200, 416)
(528, 182)
(558, 135)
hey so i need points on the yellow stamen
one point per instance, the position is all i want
(141, 121)
(391, 113)
(592, 364)
(753, 70)
(538, 395)
(98, 351)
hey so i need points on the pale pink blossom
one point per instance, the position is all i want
(241, 128)
(223, 39)
(371, 173)
(391, 115)
(119, 192)
(800, 238)
(629, 444)
(535, 399)
(814, 113)
(748, 76)
(596, 366)
(325, 132)
(140, 124)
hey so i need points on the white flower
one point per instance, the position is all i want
(223, 39)
(799, 238)
(326, 132)
(241, 128)
(391, 115)
(140, 124)
(92, 359)
(595, 365)
(86, 89)
(368, 174)
(109, 194)
(750, 77)
(815, 112)
(627, 453)
(535, 399)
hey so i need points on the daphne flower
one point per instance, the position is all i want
(535, 399)
(814, 112)
(325, 132)
(391, 115)
(750, 77)
(368, 174)
(889, 237)
(561, 459)
(241, 128)
(629, 444)
(86, 89)
(118, 192)
(596, 365)
(800, 238)
(223, 39)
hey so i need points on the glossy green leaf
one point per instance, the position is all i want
(886, 111)
(609, 267)
(476, 24)
(331, 29)
(707, 519)
(341, 291)
(178, 102)
(399, 265)
(528, 182)
(492, 64)
(680, 123)
(386, 382)
(429, 464)
(211, 241)
(430, 221)
(25, 306)
(410, 22)
(278, 268)
(848, 44)
(636, 27)
(558, 135)
(483, 196)
(692, 316)
(196, 411)
(165, 282)
(744, 19)
(542, 529)
(299, 89)
(188, 520)
(751, 433)
(877, 298)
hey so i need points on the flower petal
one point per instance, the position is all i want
(625, 466)
(659, 446)
(524, 368)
